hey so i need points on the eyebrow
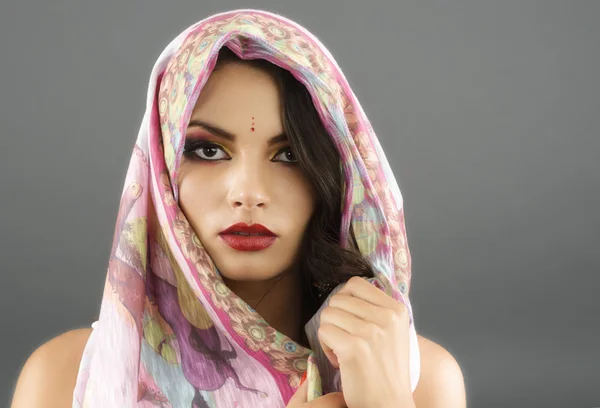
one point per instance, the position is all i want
(217, 131)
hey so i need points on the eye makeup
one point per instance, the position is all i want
(205, 140)
(286, 149)
(208, 148)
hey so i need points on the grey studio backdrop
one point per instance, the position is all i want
(488, 111)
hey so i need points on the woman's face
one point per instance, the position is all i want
(238, 169)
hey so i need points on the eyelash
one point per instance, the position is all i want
(192, 146)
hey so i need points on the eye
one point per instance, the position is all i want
(285, 155)
(202, 150)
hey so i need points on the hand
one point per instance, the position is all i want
(331, 400)
(364, 333)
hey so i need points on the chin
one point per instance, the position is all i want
(250, 271)
(251, 266)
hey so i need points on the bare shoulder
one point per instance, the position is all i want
(49, 374)
(441, 383)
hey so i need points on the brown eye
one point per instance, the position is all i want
(285, 155)
(208, 152)
(205, 151)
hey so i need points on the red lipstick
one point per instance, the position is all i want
(244, 237)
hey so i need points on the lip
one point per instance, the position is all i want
(248, 229)
(236, 237)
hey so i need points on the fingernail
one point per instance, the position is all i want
(303, 378)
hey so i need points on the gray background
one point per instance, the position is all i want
(488, 111)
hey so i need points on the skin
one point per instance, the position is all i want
(49, 375)
(363, 331)
(249, 177)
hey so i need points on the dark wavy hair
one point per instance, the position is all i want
(323, 262)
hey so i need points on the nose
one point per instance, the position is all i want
(248, 187)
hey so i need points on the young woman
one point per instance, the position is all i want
(260, 256)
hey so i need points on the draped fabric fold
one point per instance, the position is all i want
(170, 332)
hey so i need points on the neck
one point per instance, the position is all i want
(278, 300)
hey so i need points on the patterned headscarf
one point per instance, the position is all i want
(170, 332)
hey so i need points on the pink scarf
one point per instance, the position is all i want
(170, 332)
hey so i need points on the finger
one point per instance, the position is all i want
(334, 341)
(360, 308)
(360, 288)
(331, 400)
(299, 397)
(329, 353)
(347, 321)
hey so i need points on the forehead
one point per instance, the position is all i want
(239, 97)
(238, 85)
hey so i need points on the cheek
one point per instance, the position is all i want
(197, 196)
(297, 196)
